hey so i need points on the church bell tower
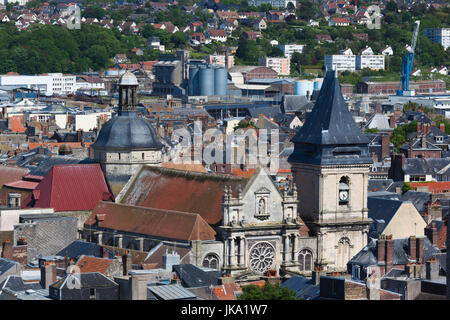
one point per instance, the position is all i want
(330, 166)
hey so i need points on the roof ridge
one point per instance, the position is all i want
(148, 208)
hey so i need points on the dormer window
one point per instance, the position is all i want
(439, 139)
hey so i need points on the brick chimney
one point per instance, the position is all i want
(7, 251)
(389, 253)
(385, 140)
(442, 127)
(392, 121)
(419, 248)
(48, 274)
(431, 233)
(419, 126)
(412, 247)
(381, 249)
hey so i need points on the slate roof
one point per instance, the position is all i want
(267, 111)
(16, 283)
(425, 165)
(127, 131)
(330, 122)
(192, 276)
(78, 248)
(75, 187)
(87, 280)
(293, 103)
(170, 189)
(368, 255)
(164, 224)
(5, 265)
(378, 121)
(419, 199)
(379, 184)
(303, 287)
(382, 209)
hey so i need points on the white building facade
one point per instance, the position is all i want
(438, 35)
(289, 49)
(49, 84)
(341, 62)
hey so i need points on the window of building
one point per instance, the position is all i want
(305, 260)
(92, 293)
(211, 261)
(344, 191)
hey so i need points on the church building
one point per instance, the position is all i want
(244, 226)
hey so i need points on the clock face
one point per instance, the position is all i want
(343, 195)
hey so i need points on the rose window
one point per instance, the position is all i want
(262, 256)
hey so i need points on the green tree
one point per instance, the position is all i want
(94, 12)
(268, 292)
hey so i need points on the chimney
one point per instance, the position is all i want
(431, 233)
(389, 253)
(419, 248)
(126, 263)
(432, 269)
(392, 121)
(7, 251)
(381, 249)
(442, 127)
(373, 288)
(424, 141)
(412, 247)
(170, 259)
(384, 146)
(419, 126)
(48, 274)
(138, 288)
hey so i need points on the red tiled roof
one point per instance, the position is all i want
(73, 187)
(433, 187)
(20, 184)
(340, 20)
(9, 174)
(178, 190)
(227, 290)
(148, 221)
(93, 264)
(17, 123)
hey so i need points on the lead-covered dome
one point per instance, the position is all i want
(127, 133)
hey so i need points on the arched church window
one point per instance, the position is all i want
(344, 190)
(262, 256)
(211, 261)
(305, 260)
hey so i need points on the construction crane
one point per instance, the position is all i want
(407, 64)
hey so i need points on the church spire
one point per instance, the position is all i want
(329, 126)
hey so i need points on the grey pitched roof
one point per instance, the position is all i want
(6, 264)
(87, 280)
(267, 111)
(171, 292)
(378, 121)
(295, 104)
(425, 165)
(382, 209)
(192, 276)
(303, 287)
(379, 184)
(330, 122)
(47, 163)
(418, 198)
(368, 255)
(79, 248)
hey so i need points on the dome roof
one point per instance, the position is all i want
(128, 79)
(127, 133)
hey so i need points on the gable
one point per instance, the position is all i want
(406, 222)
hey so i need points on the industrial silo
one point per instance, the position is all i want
(193, 81)
(303, 87)
(318, 83)
(206, 81)
(220, 81)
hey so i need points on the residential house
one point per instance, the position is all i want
(387, 51)
(251, 35)
(120, 58)
(217, 35)
(338, 22)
